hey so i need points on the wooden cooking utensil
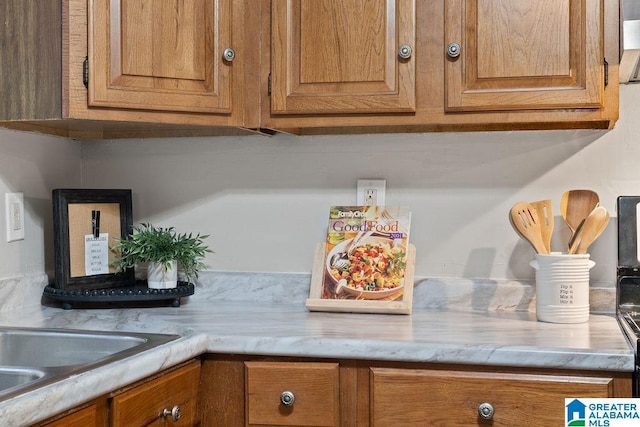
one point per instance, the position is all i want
(524, 220)
(544, 209)
(590, 230)
(576, 205)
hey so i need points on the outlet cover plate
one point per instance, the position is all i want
(379, 185)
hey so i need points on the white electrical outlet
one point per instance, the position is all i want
(371, 192)
(14, 215)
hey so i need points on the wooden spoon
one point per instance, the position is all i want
(524, 220)
(590, 230)
(576, 205)
(544, 209)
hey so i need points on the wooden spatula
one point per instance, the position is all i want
(590, 230)
(544, 209)
(575, 206)
(524, 220)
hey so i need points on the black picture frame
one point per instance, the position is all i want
(67, 229)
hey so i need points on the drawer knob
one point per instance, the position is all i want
(287, 398)
(485, 410)
(174, 412)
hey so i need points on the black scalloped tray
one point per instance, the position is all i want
(123, 296)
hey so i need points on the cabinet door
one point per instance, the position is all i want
(408, 397)
(524, 54)
(144, 405)
(160, 55)
(337, 57)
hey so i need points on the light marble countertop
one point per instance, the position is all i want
(271, 319)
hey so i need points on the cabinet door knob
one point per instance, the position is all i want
(405, 51)
(229, 54)
(287, 398)
(485, 410)
(174, 412)
(453, 50)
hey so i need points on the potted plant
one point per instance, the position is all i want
(165, 251)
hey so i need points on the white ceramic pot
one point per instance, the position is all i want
(159, 277)
(562, 287)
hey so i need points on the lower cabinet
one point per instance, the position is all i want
(241, 391)
(410, 397)
(166, 399)
(260, 391)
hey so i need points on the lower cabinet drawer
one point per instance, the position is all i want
(292, 393)
(144, 404)
(411, 397)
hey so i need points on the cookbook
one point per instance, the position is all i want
(366, 252)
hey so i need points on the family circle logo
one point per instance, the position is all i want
(602, 412)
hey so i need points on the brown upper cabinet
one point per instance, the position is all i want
(103, 68)
(161, 55)
(106, 68)
(342, 57)
(473, 65)
(510, 55)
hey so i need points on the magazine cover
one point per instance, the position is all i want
(366, 253)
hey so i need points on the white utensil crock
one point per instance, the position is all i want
(562, 287)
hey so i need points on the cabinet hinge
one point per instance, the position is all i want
(85, 72)
(269, 85)
(606, 72)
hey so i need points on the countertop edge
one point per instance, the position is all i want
(457, 354)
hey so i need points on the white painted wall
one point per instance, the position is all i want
(265, 200)
(34, 165)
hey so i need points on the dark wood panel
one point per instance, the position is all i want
(30, 59)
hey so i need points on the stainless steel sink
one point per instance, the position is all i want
(42, 348)
(12, 377)
(33, 357)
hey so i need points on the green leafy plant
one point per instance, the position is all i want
(162, 245)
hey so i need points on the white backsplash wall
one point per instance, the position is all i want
(34, 165)
(265, 200)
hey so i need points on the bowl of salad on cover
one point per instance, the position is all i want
(373, 269)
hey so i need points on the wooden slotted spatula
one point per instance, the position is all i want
(544, 209)
(524, 220)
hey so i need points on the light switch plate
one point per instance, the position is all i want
(14, 216)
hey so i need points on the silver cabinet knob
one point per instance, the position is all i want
(174, 412)
(405, 51)
(453, 50)
(485, 410)
(287, 398)
(229, 54)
